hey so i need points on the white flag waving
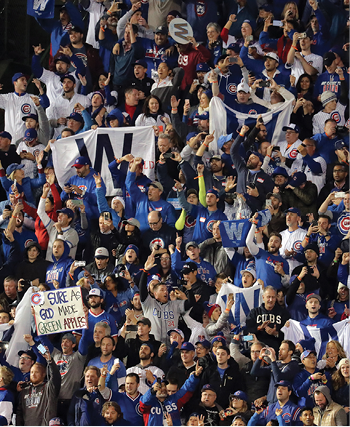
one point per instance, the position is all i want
(340, 331)
(101, 146)
(245, 300)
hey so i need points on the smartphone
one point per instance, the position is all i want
(340, 194)
(187, 101)
(76, 202)
(233, 60)
(131, 328)
(168, 156)
(42, 349)
(8, 207)
(265, 83)
(19, 201)
(268, 203)
(80, 263)
(107, 216)
(267, 352)
(250, 38)
(276, 148)
(277, 23)
(247, 338)
(302, 36)
(116, 360)
(216, 71)
(314, 223)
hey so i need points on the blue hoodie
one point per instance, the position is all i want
(59, 269)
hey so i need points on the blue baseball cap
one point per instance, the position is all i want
(339, 145)
(17, 76)
(307, 353)
(297, 179)
(291, 126)
(207, 387)
(5, 134)
(212, 191)
(280, 171)
(80, 162)
(68, 76)
(235, 47)
(251, 23)
(202, 67)
(293, 210)
(204, 343)
(284, 383)
(266, 7)
(187, 346)
(257, 154)
(13, 167)
(152, 277)
(141, 62)
(223, 139)
(30, 116)
(62, 58)
(76, 116)
(240, 394)
(161, 30)
(148, 344)
(203, 116)
(67, 212)
(30, 135)
(191, 135)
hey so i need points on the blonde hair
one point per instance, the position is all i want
(286, 7)
(341, 351)
(12, 175)
(6, 374)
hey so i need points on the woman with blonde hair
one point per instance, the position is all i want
(6, 397)
(334, 353)
(290, 11)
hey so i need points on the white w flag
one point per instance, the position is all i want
(224, 120)
(245, 300)
(340, 331)
(22, 326)
(101, 146)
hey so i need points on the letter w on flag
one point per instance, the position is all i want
(44, 9)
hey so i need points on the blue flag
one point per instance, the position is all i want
(44, 9)
(234, 233)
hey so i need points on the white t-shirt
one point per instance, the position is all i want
(297, 68)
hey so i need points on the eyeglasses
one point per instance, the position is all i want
(25, 358)
(154, 223)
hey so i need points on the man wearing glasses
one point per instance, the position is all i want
(288, 153)
(159, 235)
(22, 373)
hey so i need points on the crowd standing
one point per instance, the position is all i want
(158, 348)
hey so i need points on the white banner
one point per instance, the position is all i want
(101, 146)
(340, 331)
(245, 300)
(57, 311)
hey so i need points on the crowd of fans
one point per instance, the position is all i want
(149, 258)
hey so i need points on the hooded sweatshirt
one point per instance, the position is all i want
(332, 415)
(59, 269)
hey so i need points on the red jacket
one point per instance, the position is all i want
(40, 229)
(189, 59)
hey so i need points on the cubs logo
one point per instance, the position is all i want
(190, 221)
(158, 241)
(335, 116)
(293, 154)
(201, 8)
(62, 366)
(26, 108)
(28, 242)
(252, 112)
(344, 223)
(137, 409)
(36, 153)
(210, 225)
(37, 298)
(232, 88)
(296, 246)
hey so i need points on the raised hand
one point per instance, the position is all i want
(66, 51)
(38, 49)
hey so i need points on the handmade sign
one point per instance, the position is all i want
(57, 311)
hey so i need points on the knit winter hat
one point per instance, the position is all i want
(209, 308)
(327, 97)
